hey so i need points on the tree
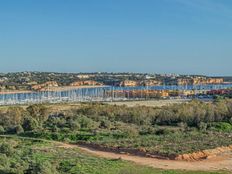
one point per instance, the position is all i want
(12, 117)
(38, 112)
(30, 124)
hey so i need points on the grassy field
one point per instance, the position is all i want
(34, 156)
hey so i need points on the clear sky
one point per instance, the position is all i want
(161, 36)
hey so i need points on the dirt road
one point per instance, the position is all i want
(221, 162)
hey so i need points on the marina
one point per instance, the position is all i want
(91, 94)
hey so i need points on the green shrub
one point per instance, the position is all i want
(30, 124)
(74, 125)
(230, 120)
(146, 130)
(38, 111)
(183, 126)
(87, 123)
(222, 126)
(19, 129)
(4, 161)
(129, 131)
(6, 148)
(39, 167)
(105, 124)
(164, 131)
(202, 126)
(2, 130)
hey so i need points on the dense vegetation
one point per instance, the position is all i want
(161, 131)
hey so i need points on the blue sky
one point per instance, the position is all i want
(161, 36)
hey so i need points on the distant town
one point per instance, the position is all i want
(38, 81)
(24, 87)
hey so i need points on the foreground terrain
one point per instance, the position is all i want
(22, 155)
(222, 162)
(197, 132)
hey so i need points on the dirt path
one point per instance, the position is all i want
(222, 162)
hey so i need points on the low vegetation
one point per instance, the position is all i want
(166, 131)
(39, 157)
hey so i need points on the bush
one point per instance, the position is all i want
(2, 130)
(13, 116)
(38, 112)
(6, 148)
(230, 120)
(164, 131)
(105, 124)
(129, 131)
(202, 126)
(41, 168)
(146, 130)
(19, 129)
(87, 123)
(55, 129)
(222, 126)
(74, 125)
(183, 126)
(30, 124)
(4, 161)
